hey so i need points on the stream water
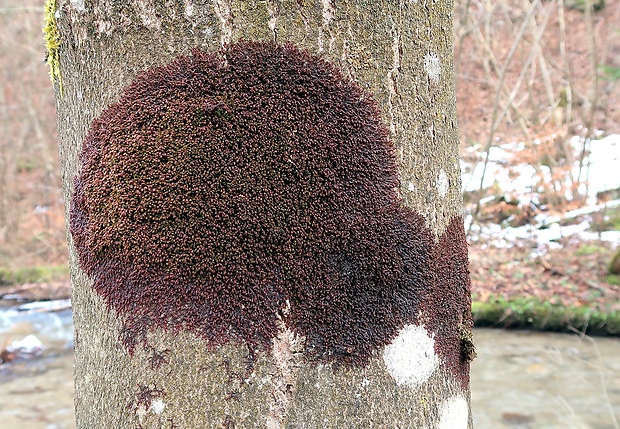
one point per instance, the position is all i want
(519, 380)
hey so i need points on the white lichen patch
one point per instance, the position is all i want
(103, 27)
(411, 187)
(157, 406)
(145, 9)
(78, 5)
(189, 8)
(442, 184)
(410, 358)
(432, 65)
(273, 8)
(392, 77)
(454, 413)
(141, 411)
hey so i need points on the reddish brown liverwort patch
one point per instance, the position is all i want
(447, 306)
(229, 190)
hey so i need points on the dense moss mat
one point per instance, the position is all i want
(532, 313)
(38, 274)
(229, 192)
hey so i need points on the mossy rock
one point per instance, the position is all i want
(531, 313)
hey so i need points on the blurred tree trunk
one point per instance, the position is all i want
(400, 51)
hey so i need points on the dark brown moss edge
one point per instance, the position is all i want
(533, 313)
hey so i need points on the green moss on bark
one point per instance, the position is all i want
(52, 42)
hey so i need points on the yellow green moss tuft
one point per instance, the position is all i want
(52, 42)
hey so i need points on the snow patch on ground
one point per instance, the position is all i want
(30, 345)
(601, 167)
(547, 235)
(410, 358)
(603, 160)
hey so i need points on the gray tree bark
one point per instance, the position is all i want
(401, 52)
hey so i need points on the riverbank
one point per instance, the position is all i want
(561, 288)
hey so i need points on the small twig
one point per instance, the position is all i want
(594, 98)
(547, 267)
(461, 37)
(573, 416)
(596, 286)
(567, 68)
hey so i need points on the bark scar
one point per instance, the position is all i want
(224, 13)
(329, 11)
(283, 380)
(273, 8)
(392, 77)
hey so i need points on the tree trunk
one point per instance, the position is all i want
(398, 51)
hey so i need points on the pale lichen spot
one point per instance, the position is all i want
(103, 27)
(273, 9)
(411, 187)
(442, 184)
(328, 13)
(189, 8)
(208, 32)
(78, 5)
(454, 413)
(145, 9)
(157, 406)
(410, 358)
(141, 411)
(432, 65)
